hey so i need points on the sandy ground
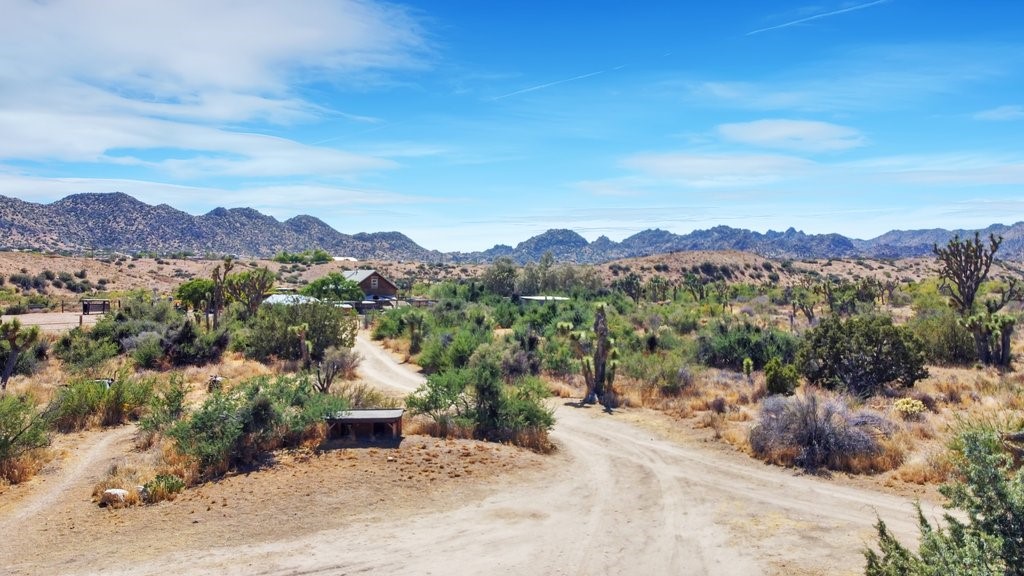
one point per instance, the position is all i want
(615, 498)
(56, 322)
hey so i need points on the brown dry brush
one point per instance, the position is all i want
(815, 433)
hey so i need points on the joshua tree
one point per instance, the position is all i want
(966, 263)
(18, 339)
(220, 277)
(598, 359)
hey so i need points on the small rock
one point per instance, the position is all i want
(113, 496)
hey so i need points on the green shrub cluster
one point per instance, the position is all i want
(22, 429)
(267, 335)
(780, 378)
(727, 344)
(860, 355)
(95, 402)
(235, 429)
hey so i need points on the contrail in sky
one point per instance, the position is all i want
(817, 16)
(555, 83)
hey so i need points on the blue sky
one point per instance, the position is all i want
(468, 123)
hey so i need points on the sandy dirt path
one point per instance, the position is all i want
(55, 321)
(380, 368)
(618, 502)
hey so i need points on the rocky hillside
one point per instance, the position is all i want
(117, 222)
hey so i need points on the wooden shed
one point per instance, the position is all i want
(372, 424)
(374, 285)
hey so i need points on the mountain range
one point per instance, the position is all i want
(117, 222)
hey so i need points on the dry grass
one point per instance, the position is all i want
(24, 467)
(126, 477)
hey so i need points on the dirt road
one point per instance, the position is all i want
(55, 321)
(381, 369)
(617, 502)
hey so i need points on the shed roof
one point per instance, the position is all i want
(289, 299)
(367, 415)
(358, 275)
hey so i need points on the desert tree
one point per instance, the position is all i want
(18, 338)
(966, 263)
(334, 286)
(500, 277)
(250, 288)
(219, 294)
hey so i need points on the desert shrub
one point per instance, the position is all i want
(389, 325)
(146, 350)
(166, 406)
(812, 433)
(80, 352)
(22, 430)
(446, 350)
(444, 398)
(557, 358)
(163, 487)
(325, 326)
(861, 355)
(726, 345)
(347, 360)
(780, 378)
(990, 493)
(944, 339)
(909, 408)
(187, 345)
(85, 403)
(233, 430)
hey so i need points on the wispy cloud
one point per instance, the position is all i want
(555, 83)
(818, 16)
(1001, 113)
(800, 135)
(185, 87)
(717, 170)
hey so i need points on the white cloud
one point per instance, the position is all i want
(717, 170)
(168, 85)
(1001, 113)
(802, 135)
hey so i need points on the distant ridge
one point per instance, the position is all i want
(118, 222)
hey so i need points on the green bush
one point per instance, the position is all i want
(148, 351)
(326, 326)
(85, 403)
(861, 355)
(79, 352)
(166, 406)
(726, 345)
(780, 378)
(233, 430)
(163, 487)
(944, 339)
(22, 429)
(187, 345)
(990, 493)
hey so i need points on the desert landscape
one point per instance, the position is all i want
(667, 476)
(524, 288)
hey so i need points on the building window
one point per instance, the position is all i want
(373, 283)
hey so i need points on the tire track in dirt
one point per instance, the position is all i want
(73, 479)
